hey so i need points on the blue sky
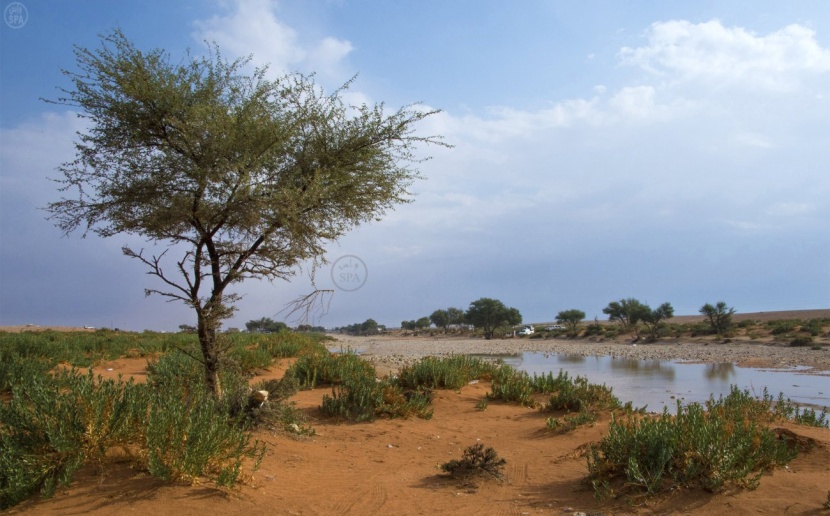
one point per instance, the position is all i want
(668, 151)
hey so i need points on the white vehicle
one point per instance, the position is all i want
(527, 330)
(555, 327)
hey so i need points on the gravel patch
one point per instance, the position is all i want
(391, 352)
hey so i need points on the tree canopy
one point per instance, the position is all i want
(244, 176)
(719, 316)
(653, 319)
(490, 314)
(571, 320)
(628, 312)
(265, 324)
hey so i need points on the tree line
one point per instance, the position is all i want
(491, 316)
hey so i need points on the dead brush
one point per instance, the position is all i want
(476, 462)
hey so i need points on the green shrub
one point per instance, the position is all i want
(83, 349)
(289, 344)
(547, 383)
(594, 328)
(279, 390)
(451, 372)
(578, 395)
(319, 367)
(801, 340)
(781, 327)
(364, 399)
(476, 461)
(728, 444)
(54, 424)
(190, 434)
(16, 369)
(813, 327)
(508, 384)
(569, 422)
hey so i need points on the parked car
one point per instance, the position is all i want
(527, 330)
(555, 327)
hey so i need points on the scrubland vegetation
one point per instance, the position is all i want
(56, 417)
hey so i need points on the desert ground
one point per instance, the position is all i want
(393, 466)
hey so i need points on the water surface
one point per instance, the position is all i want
(659, 383)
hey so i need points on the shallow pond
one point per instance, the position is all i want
(659, 383)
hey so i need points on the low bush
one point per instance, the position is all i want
(801, 340)
(726, 444)
(54, 424)
(782, 327)
(569, 422)
(594, 328)
(508, 384)
(190, 434)
(289, 344)
(451, 372)
(578, 395)
(319, 367)
(171, 427)
(365, 399)
(476, 461)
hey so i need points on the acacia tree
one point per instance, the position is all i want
(490, 314)
(441, 319)
(628, 312)
(244, 176)
(455, 316)
(654, 318)
(719, 316)
(265, 324)
(571, 319)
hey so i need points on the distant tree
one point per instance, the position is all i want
(187, 328)
(423, 323)
(409, 325)
(369, 327)
(247, 177)
(455, 316)
(490, 314)
(628, 312)
(653, 319)
(571, 320)
(441, 319)
(310, 328)
(265, 324)
(718, 316)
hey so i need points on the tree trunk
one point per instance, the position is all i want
(210, 354)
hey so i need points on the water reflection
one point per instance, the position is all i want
(659, 383)
(643, 367)
(571, 359)
(723, 371)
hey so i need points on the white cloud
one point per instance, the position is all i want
(253, 28)
(37, 145)
(712, 53)
(790, 209)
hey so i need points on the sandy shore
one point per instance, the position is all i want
(389, 353)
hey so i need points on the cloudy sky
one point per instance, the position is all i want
(667, 151)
